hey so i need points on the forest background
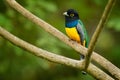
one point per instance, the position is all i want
(18, 64)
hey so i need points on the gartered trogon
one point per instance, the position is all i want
(75, 29)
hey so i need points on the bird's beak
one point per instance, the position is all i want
(65, 13)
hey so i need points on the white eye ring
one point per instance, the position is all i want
(71, 15)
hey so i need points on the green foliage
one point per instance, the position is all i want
(99, 2)
(18, 64)
(4, 21)
(114, 23)
(115, 18)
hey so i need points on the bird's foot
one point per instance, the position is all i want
(82, 57)
(84, 73)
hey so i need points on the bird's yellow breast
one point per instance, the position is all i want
(73, 34)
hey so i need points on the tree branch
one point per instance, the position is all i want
(96, 57)
(93, 70)
(99, 28)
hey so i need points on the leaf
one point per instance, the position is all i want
(49, 6)
(114, 23)
(5, 22)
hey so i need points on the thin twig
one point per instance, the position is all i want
(93, 70)
(96, 57)
(99, 28)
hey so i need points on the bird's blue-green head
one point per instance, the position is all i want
(71, 17)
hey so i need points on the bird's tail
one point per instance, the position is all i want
(81, 58)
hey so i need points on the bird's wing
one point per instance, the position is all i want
(83, 33)
(80, 32)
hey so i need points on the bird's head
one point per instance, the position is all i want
(71, 15)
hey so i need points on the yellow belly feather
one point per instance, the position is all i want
(73, 34)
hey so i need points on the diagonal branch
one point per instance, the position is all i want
(99, 28)
(93, 70)
(39, 52)
(96, 57)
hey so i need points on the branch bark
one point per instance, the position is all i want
(93, 70)
(96, 57)
(99, 28)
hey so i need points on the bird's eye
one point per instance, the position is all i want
(71, 15)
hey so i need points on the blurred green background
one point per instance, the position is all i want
(18, 64)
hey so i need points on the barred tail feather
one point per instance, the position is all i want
(81, 58)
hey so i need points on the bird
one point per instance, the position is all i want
(75, 29)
